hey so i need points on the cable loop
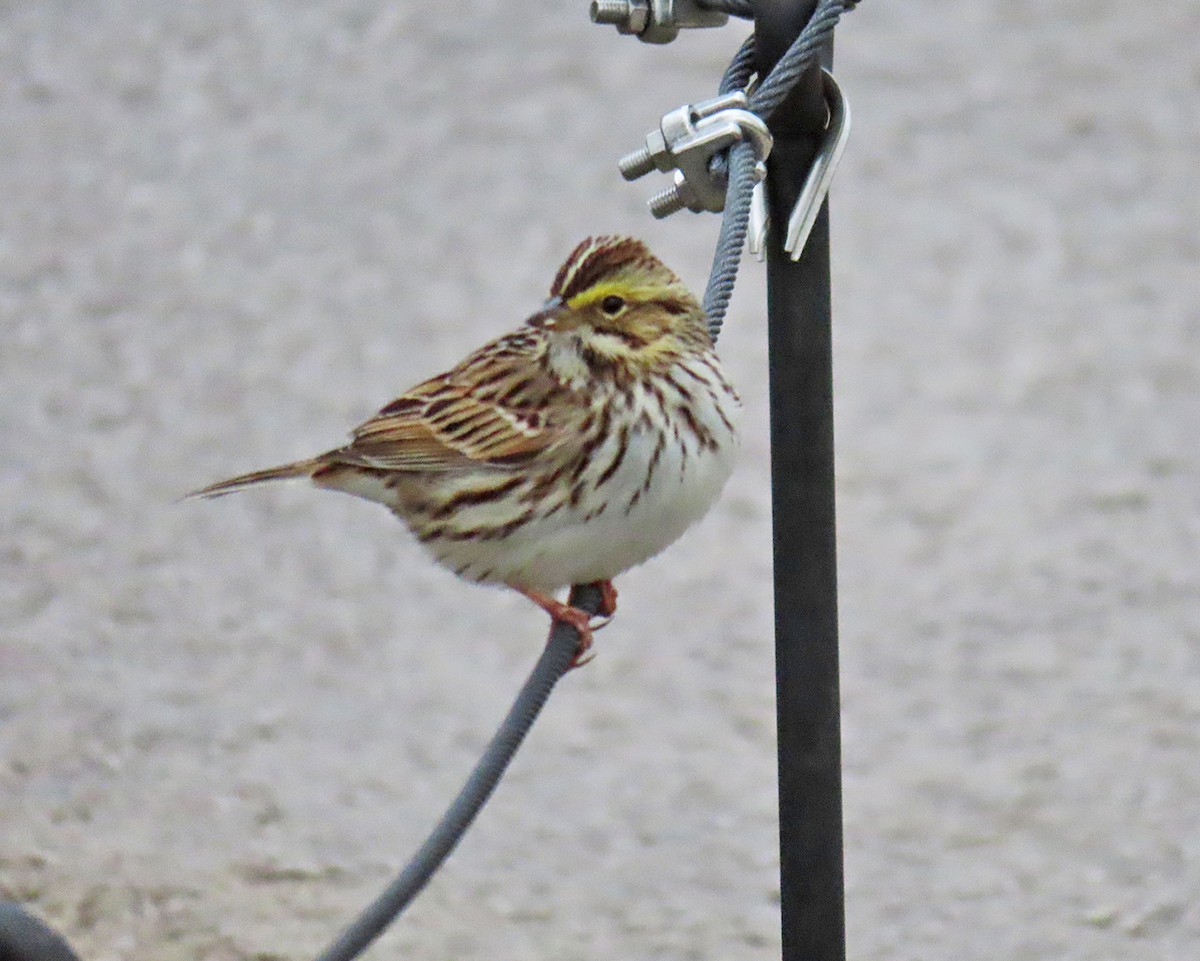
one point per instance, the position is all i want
(764, 98)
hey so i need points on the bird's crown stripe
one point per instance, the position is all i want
(593, 259)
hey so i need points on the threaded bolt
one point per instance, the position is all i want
(636, 164)
(628, 16)
(615, 12)
(666, 202)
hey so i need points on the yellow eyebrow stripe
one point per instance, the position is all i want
(607, 288)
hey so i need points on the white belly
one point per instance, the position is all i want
(580, 551)
(626, 521)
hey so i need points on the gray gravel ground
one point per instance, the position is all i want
(229, 231)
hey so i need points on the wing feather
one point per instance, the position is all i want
(490, 409)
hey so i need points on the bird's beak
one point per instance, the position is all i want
(551, 310)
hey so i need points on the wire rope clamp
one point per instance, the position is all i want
(816, 184)
(687, 140)
(655, 21)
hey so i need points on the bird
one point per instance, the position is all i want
(573, 448)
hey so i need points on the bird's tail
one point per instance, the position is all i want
(300, 468)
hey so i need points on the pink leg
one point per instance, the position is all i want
(566, 614)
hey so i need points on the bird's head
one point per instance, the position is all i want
(617, 303)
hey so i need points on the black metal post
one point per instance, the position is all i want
(812, 891)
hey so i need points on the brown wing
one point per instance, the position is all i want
(490, 409)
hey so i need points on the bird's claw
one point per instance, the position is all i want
(608, 598)
(583, 622)
(583, 655)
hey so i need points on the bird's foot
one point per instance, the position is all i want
(561, 613)
(608, 598)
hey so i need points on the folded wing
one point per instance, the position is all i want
(491, 409)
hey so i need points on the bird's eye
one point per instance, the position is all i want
(612, 304)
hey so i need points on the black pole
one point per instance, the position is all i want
(812, 891)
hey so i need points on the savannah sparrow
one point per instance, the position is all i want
(565, 452)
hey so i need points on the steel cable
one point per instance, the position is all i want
(554, 662)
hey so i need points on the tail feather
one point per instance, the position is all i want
(300, 468)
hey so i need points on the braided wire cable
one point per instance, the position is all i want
(554, 662)
(737, 77)
(800, 57)
(735, 225)
(741, 68)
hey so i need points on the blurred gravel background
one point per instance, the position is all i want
(229, 231)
